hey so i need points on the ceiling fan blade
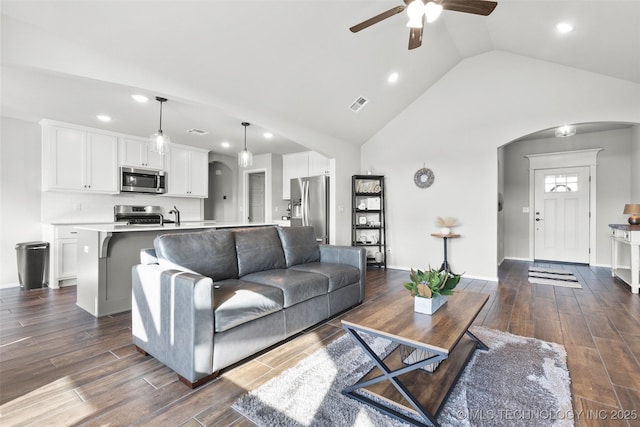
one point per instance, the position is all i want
(369, 22)
(477, 7)
(415, 36)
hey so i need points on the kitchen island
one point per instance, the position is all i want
(107, 252)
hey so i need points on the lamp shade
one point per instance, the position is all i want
(159, 140)
(633, 210)
(432, 11)
(415, 10)
(245, 158)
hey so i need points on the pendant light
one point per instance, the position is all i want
(159, 141)
(245, 158)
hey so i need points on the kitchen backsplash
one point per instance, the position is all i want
(61, 207)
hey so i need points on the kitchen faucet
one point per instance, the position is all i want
(176, 212)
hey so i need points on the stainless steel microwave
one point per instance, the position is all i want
(134, 180)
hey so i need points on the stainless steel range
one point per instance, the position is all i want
(139, 215)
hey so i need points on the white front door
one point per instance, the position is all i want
(561, 214)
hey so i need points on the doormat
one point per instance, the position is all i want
(519, 382)
(553, 277)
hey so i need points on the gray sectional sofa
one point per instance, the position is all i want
(205, 300)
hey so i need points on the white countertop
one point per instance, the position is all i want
(185, 225)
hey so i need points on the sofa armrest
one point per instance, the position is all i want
(350, 255)
(173, 319)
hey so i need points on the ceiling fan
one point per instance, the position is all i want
(419, 12)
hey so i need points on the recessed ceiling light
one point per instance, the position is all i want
(103, 118)
(268, 135)
(564, 27)
(565, 131)
(225, 144)
(139, 97)
(393, 77)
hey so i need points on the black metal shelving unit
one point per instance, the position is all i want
(368, 226)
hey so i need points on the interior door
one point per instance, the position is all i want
(256, 197)
(561, 214)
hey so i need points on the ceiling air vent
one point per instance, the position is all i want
(197, 131)
(358, 104)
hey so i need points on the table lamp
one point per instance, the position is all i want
(633, 210)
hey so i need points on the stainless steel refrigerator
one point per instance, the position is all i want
(310, 204)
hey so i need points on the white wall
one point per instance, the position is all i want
(635, 165)
(455, 128)
(19, 192)
(613, 184)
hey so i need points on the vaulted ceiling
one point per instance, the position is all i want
(290, 67)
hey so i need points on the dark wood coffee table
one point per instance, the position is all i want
(445, 335)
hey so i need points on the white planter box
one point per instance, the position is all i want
(428, 305)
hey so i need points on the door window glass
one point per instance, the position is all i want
(560, 183)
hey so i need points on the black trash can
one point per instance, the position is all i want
(33, 264)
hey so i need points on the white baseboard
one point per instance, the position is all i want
(486, 279)
(603, 265)
(466, 276)
(517, 259)
(10, 285)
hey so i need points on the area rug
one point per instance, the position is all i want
(554, 277)
(518, 382)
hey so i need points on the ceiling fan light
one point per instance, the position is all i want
(415, 10)
(432, 11)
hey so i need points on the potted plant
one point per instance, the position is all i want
(430, 288)
(446, 224)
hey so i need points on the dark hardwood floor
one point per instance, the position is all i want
(61, 366)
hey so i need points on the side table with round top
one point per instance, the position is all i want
(445, 264)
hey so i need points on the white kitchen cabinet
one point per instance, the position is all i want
(297, 165)
(76, 159)
(188, 171)
(63, 254)
(137, 153)
(318, 164)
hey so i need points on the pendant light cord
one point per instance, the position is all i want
(245, 124)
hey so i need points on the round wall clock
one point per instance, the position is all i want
(423, 178)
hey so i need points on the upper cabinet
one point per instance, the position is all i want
(188, 171)
(78, 159)
(297, 165)
(136, 152)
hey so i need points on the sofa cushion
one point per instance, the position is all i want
(339, 275)
(236, 302)
(211, 253)
(296, 286)
(258, 249)
(299, 245)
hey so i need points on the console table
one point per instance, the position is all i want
(626, 237)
